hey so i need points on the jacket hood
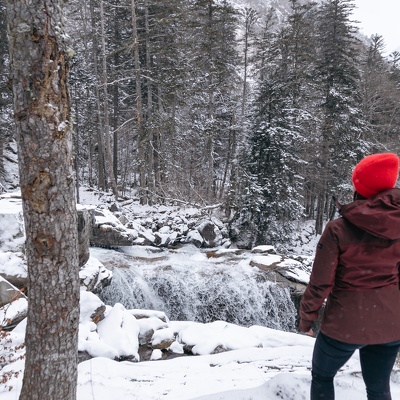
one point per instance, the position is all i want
(378, 215)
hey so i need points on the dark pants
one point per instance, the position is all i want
(376, 365)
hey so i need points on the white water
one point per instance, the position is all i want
(188, 286)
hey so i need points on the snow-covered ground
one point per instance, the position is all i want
(262, 363)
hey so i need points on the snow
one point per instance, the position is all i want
(261, 363)
(11, 221)
(13, 263)
(205, 338)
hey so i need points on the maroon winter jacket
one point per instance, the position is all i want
(356, 268)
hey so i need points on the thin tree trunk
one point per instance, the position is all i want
(76, 145)
(141, 145)
(115, 128)
(101, 178)
(151, 173)
(107, 139)
(39, 71)
(116, 98)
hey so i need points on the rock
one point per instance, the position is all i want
(123, 219)
(83, 356)
(114, 207)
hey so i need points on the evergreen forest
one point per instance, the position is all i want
(225, 104)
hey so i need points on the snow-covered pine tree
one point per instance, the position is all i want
(379, 98)
(342, 121)
(283, 125)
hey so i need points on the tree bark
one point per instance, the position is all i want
(39, 70)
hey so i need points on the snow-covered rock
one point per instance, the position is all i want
(195, 238)
(13, 305)
(94, 276)
(120, 330)
(210, 232)
(13, 268)
(8, 292)
(225, 337)
(108, 231)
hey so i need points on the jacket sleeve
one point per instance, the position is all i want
(322, 278)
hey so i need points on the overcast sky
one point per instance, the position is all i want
(381, 17)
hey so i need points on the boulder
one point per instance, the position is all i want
(211, 234)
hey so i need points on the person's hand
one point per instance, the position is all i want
(308, 333)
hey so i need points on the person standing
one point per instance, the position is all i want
(356, 270)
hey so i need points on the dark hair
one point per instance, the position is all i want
(357, 196)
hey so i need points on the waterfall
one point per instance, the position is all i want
(189, 287)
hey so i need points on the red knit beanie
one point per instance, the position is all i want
(375, 173)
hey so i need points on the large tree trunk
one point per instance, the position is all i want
(39, 69)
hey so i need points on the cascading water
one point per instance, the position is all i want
(188, 286)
